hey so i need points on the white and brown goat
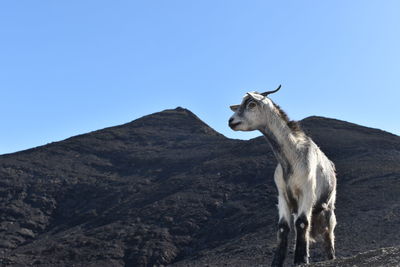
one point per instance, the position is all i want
(305, 177)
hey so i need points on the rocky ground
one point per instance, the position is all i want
(166, 189)
(384, 257)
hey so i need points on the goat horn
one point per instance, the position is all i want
(271, 92)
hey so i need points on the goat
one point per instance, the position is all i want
(305, 177)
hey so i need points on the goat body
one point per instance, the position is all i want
(305, 177)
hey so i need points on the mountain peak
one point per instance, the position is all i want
(175, 120)
(179, 108)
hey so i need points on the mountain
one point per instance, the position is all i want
(167, 189)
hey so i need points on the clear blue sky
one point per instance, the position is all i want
(70, 67)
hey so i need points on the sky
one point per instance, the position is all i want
(71, 67)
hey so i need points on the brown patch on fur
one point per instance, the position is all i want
(292, 201)
(294, 126)
(318, 225)
(297, 192)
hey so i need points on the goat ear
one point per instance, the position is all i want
(255, 96)
(234, 107)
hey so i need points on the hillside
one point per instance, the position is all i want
(166, 189)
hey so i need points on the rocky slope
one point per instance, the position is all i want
(384, 257)
(166, 189)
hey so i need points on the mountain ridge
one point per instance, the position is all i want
(313, 118)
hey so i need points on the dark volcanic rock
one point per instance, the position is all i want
(384, 257)
(166, 189)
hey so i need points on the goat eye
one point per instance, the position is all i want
(251, 105)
